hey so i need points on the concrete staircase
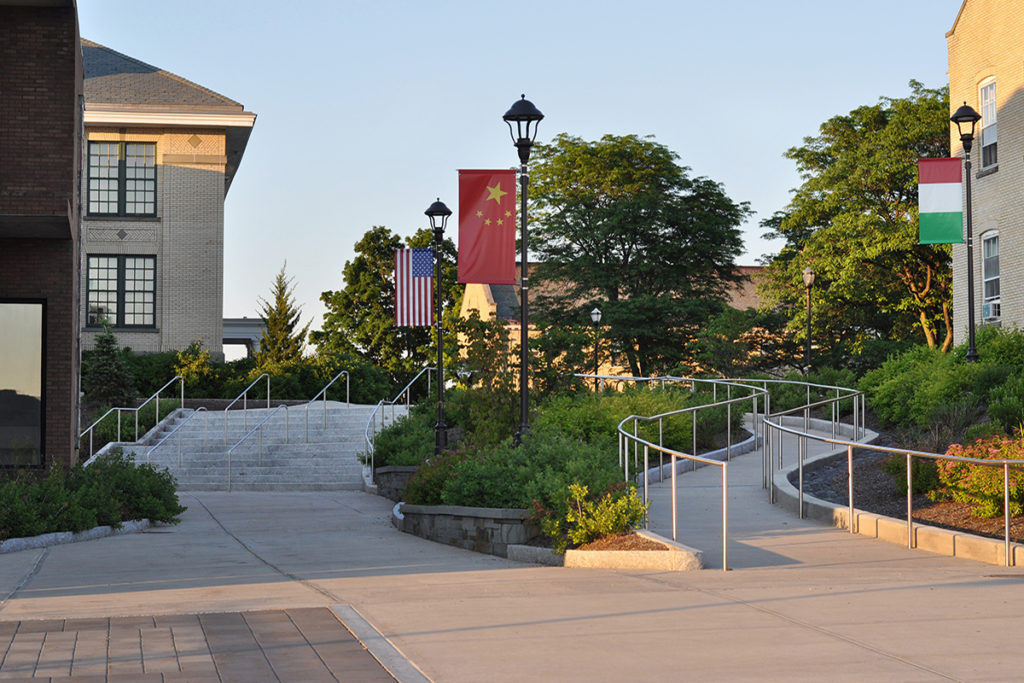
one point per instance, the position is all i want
(294, 449)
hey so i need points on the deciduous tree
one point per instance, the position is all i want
(620, 224)
(854, 221)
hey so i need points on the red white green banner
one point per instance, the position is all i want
(940, 201)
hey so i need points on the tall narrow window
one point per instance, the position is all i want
(122, 178)
(122, 291)
(989, 156)
(21, 383)
(990, 276)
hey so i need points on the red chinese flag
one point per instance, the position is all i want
(487, 227)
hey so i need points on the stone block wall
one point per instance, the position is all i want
(483, 530)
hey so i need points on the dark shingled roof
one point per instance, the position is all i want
(114, 78)
(506, 299)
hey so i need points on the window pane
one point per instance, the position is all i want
(140, 174)
(21, 383)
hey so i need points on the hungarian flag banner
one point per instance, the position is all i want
(414, 287)
(940, 203)
(487, 227)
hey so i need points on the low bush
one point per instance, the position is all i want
(926, 476)
(407, 441)
(1006, 402)
(981, 486)
(111, 490)
(586, 520)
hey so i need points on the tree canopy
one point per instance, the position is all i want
(621, 225)
(854, 221)
(360, 317)
(282, 341)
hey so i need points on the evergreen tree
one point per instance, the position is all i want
(106, 379)
(282, 341)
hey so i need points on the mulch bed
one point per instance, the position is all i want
(626, 541)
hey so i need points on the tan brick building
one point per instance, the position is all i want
(161, 153)
(986, 70)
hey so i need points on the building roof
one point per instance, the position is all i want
(114, 78)
(123, 91)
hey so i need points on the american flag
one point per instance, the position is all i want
(414, 287)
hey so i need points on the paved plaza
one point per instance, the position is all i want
(292, 586)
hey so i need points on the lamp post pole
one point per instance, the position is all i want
(808, 275)
(965, 119)
(595, 316)
(438, 214)
(524, 114)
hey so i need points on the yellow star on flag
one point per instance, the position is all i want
(508, 214)
(501, 221)
(487, 221)
(495, 193)
(479, 214)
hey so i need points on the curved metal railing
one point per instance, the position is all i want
(773, 424)
(323, 392)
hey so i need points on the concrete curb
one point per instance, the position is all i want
(13, 545)
(890, 529)
(383, 650)
(676, 558)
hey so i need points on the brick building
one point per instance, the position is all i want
(986, 55)
(161, 153)
(40, 161)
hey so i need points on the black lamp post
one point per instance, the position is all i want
(439, 214)
(808, 275)
(524, 115)
(595, 315)
(965, 119)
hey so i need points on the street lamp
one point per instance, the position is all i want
(524, 115)
(808, 275)
(438, 214)
(595, 315)
(965, 119)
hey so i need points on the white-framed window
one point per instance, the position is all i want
(990, 306)
(987, 96)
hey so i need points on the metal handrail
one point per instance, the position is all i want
(245, 408)
(910, 455)
(258, 427)
(89, 430)
(177, 427)
(323, 392)
(625, 438)
(372, 420)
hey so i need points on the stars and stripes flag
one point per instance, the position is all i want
(414, 287)
(940, 203)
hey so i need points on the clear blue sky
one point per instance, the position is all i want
(366, 109)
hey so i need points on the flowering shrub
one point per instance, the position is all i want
(981, 486)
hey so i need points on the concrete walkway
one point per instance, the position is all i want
(803, 601)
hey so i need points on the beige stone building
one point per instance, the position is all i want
(161, 153)
(986, 70)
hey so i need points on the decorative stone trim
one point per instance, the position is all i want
(483, 530)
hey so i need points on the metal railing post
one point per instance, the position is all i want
(725, 517)
(849, 484)
(910, 502)
(728, 431)
(646, 466)
(1006, 510)
(802, 444)
(268, 391)
(675, 509)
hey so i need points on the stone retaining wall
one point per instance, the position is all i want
(391, 480)
(483, 530)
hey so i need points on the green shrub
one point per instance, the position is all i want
(908, 389)
(926, 477)
(424, 487)
(407, 441)
(106, 431)
(587, 520)
(984, 430)
(1006, 402)
(110, 490)
(981, 486)
(1001, 346)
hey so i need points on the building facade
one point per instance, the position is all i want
(40, 162)
(986, 70)
(160, 153)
